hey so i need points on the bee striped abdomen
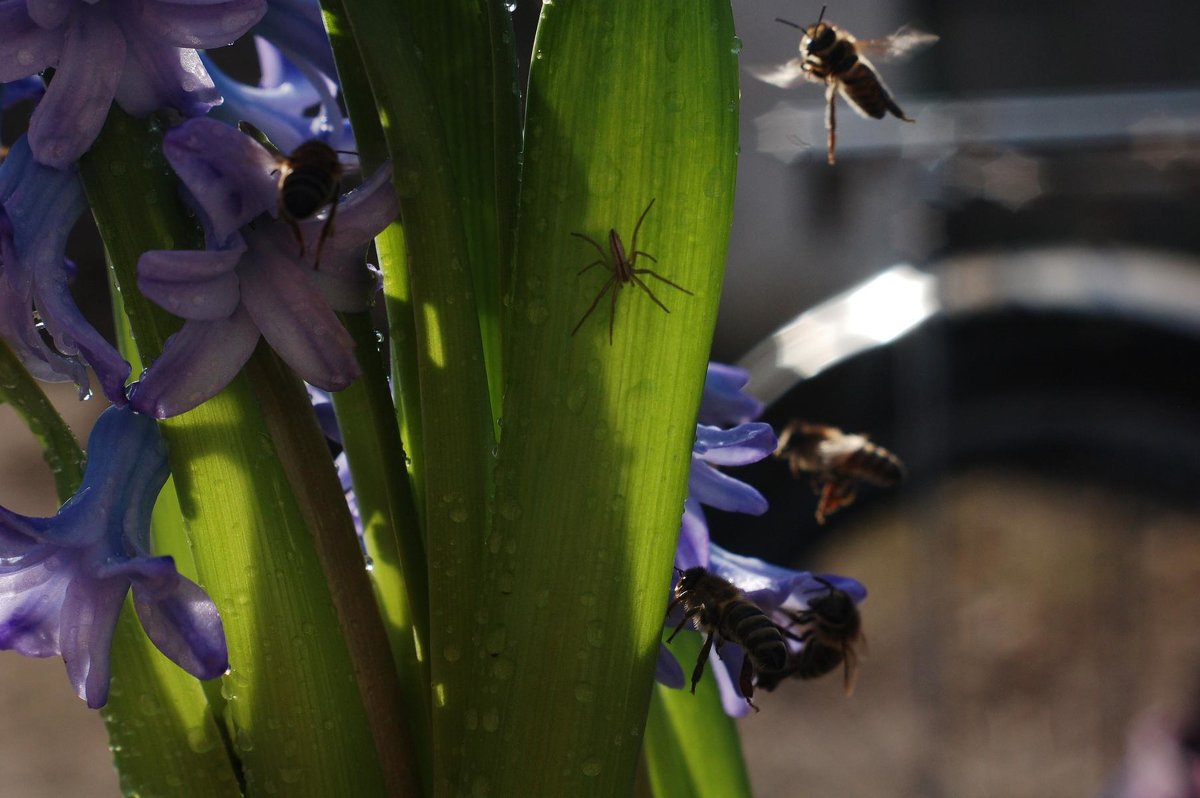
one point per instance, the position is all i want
(312, 181)
(816, 659)
(748, 626)
(873, 464)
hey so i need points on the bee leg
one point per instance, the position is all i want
(296, 232)
(831, 121)
(746, 681)
(686, 617)
(698, 671)
(326, 231)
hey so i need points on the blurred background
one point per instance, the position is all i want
(1005, 293)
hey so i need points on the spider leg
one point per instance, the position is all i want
(591, 241)
(644, 255)
(590, 265)
(638, 226)
(595, 302)
(658, 276)
(646, 288)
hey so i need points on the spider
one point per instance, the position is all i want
(623, 272)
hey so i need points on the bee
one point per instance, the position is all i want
(837, 461)
(623, 271)
(720, 610)
(832, 627)
(832, 56)
(309, 180)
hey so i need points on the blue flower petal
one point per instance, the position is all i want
(193, 284)
(667, 670)
(200, 25)
(742, 445)
(709, 486)
(63, 580)
(196, 364)
(291, 313)
(69, 117)
(157, 76)
(723, 401)
(16, 91)
(26, 47)
(38, 207)
(227, 172)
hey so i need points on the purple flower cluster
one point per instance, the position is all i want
(773, 589)
(63, 580)
(139, 52)
(250, 281)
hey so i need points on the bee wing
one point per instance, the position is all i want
(264, 142)
(900, 44)
(853, 103)
(786, 75)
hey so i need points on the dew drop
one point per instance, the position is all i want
(595, 634)
(452, 653)
(491, 720)
(735, 46)
(590, 767)
(585, 693)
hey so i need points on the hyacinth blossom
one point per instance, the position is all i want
(297, 74)
(63, 580)
(250, 281)
(139, 52)
(772, 588)
(38, 207)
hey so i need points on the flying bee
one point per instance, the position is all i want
(720, 610)
(832, 56)
(624, 271)
(831, 628)
(837, 461)
(309, 180)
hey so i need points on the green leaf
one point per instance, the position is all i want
(163, 726)
(692, 746)
(454, 454)
(59, 448)
(309, 733)
(628, 101)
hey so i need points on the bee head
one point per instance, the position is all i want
(818, 36)
(688, 580)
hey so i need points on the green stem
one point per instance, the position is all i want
(59, 448)
(390, 531)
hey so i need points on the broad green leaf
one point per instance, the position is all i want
(457, 433)
(629, 101)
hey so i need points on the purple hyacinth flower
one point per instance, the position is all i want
(278, 106)
(772, 588)
(63, 580)
(38, 207)
(140, 52)
(251, 281)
